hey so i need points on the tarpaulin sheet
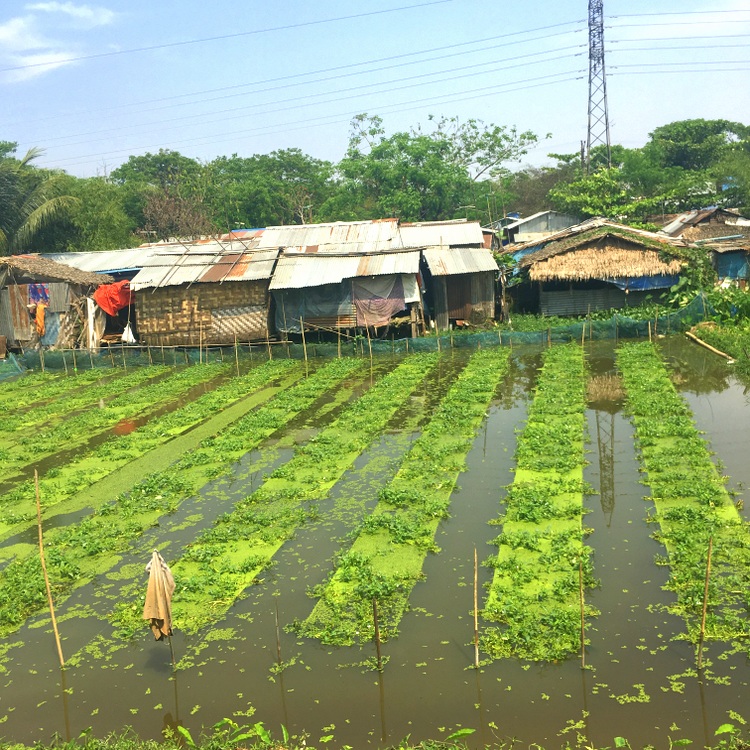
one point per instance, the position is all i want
(377, 299)
(114, 297)
(328, 301)
(732, 265)
(38, 293)
(645, 283)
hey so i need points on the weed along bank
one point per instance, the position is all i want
(544, 541)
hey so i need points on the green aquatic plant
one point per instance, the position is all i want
(78, 552)
(691, 501)
(534, 596)
(386, 558)
(226, 559)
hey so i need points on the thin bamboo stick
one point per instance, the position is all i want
(583, 614)
(377, 632)
(44, 569)
(476, 612)
(705, 602)
(236, 356)
(304, 341)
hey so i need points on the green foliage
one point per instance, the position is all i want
(534, 595)
(31, 199)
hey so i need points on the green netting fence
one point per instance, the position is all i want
(617, 327)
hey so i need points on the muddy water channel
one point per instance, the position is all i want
(640, 680)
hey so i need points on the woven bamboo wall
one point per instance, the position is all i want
(181, 315)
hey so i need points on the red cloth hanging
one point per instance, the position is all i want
(113, 297)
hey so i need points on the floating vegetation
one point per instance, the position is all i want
(17, 507)
(131, 402)
(385, 560)
(79, 551)
(226, 559)
(535, 591)
(691, 501)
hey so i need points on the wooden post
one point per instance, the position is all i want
(163, 361)
(656, 323)
(75, 364)
(377, 632)
(124, 362)
(44, 569)
(705, 602)
(369, 342)
(649, 330)
(338, 335)
(583, 620)
(476, 612)
(236, 356)
(65, 362)
(148, 351)
(91, 360)
(41, 357)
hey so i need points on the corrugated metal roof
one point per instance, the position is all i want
(104, 261)
(204, 263)
(298, 271)
(447, 261)
(425, 234)
(353, 236)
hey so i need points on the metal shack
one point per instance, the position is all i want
(341, 275)
(459, 270)
(212, 291)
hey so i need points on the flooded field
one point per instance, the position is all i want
(264, 492)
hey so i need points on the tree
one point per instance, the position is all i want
(417, 175)
(31, 199)
(284, 187)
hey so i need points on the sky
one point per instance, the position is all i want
(93, 83)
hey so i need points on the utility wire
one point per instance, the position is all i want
(310, 122)
(336, 69)
(224, 37)
(339, 94)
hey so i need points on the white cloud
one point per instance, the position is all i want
(86, 15)
(36, 43)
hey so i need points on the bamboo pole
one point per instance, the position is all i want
(91, 360)
(148, 351)
(705, 602)
(200, 342)
(304, 341)
(377, 632)
(710, 348)
(124, 362)
(65, 362)
(476, 612)
(649, 330)
(44, 569)
(278, 636)
(236, 356)
(338, 336)
(75, 364)
(656, 322)
(369, 342)
(583, 614)
(41, 357)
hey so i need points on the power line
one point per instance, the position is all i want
(337, 118)
(678, 13)
(223, 37)
(337, 69)
(337, 94)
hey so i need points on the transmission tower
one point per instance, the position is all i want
(598, 115)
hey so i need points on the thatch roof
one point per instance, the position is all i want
(599, 249)
(604, 261)
(26, 269)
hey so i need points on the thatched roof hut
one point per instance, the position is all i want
(31, 269)
(596, 262)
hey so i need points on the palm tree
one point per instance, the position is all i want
(30, 200)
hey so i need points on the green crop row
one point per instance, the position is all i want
(691, 500)
(224, 561)
(39, 387)
(79, 551)
(18, 508)
(133, 400)
(43, 415)
(386, 559)
(535, 591)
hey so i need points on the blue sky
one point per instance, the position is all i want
(92, 84)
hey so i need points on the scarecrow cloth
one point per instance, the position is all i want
(158, 608)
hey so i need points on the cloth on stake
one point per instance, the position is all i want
(158, 607)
